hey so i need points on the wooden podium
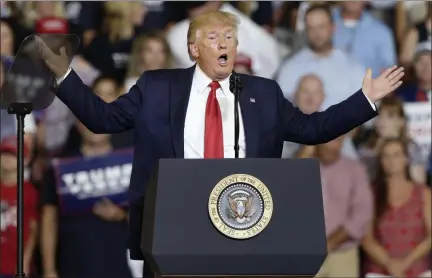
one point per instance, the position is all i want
(193, 227)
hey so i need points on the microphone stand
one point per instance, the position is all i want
(20, 110)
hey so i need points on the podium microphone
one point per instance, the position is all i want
(235, 88)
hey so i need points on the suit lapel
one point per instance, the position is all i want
(251, 120)
(179, 99)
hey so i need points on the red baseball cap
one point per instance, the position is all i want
(52, 25)
(10, 145)
(243, 60)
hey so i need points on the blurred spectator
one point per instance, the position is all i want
(108, 90)
(420, 33)
(340, 74)
(15, 18)
(49, 17)
(254, 41)
(102, 231)
(86, 71)
(243, 64)
(149, 52)
(429, 172)
(398, 241)
(365, 38)
(8, 122)
(87, 15)
(261, 12)
(308, 98)
(392, 123)
(5, 9)
(54, 124)
(347, 209)
(109, 51)
(155, 16)
(8, 210)
(421, 88)
(6, 40)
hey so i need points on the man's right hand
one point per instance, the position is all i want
(57, 63)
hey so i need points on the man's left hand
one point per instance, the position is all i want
(377, 88)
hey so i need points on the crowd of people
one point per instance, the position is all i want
(375, 180)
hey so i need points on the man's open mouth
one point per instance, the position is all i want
(223, 59)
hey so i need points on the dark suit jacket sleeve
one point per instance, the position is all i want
(322, 127)
(93, 112)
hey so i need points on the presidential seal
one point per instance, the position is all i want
(240, 206)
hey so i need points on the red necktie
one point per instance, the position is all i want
(213, 136)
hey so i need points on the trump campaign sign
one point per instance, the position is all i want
(82, 182)
(419, 124)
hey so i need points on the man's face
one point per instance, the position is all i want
(354, 7)
(319, 29)
(310, 94)
(422, 67)
(215, 50)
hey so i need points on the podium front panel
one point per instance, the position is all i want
(180, 238)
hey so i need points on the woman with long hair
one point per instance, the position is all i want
(149, 52)
(391, 123)
(398, 240)
(109, 51)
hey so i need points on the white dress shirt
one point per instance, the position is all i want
(195, 118)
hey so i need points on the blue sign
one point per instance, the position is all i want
(82, 182)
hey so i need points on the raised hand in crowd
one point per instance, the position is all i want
(377, 88)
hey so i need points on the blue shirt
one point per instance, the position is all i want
(368, 40)
(341, 75)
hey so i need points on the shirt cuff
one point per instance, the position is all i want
(370, 102)
(60, 80)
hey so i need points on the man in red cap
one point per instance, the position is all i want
(8, 210)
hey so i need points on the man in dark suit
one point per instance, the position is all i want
(189, 113)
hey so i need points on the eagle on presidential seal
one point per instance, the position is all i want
(240, 206)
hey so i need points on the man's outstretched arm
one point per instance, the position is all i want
(97, 115)
(339, 119)
(93, 112)
(321, 127)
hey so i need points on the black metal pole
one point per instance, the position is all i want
(20, 110)
(20, 197)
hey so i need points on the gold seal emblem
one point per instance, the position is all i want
(240, 206)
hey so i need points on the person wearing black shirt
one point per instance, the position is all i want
(88, 244)
(109, 51)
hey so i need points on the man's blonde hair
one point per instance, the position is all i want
(207, 19)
